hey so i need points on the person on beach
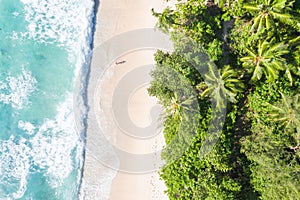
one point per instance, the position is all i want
(121, 62)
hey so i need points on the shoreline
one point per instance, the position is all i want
(98, 180)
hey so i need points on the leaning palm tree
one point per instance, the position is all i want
(266, 12)
(266, 59)
(221, 84)
(165, 19)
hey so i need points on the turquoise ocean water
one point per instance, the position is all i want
(44, 49)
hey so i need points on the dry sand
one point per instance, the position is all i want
(115, 17)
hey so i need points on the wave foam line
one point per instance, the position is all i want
(68, 24)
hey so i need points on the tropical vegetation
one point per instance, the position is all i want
(231, 93)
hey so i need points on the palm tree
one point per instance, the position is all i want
(165, 19)
(267, 59)
(268, 11)
(287, 114)
(219, 86)
(178, 106)
(294, 67)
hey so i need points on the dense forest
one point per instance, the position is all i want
(234, 78)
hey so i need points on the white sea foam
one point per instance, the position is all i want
(58, 21)
(50, 148)
(14, 168)
(68, 24)
(16, 90)
(26, 126)
(54, 142)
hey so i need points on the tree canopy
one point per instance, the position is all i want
(244, 62)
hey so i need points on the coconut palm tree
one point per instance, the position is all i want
(286, 112)
(266, 12)
(178, 106)
(218, 86)
(266, 59)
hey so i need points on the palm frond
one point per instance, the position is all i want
(251, 7)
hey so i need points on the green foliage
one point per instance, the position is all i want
(241, 37)
(232, 8)
(177, 107)
(220, 85)
(273, 145)
(267, 58)
(275, 170)
(264, 94)
(255, 46)
(287, 112)
(293, 67)
(196, 20)
(165, 19)
(267, 12)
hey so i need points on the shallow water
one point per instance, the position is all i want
(44, 49)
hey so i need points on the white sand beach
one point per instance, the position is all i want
(116, 17)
